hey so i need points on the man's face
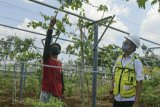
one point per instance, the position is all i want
(127, 46)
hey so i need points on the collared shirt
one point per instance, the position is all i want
(138, 71)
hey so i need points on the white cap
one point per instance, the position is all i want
(135, 39)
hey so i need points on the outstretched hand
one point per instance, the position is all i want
(52, 22)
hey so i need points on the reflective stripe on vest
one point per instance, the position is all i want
(125, 78)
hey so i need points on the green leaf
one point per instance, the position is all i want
(141, 3)
(40, 24)
(153, 2)
(102, 8)
(72, 7)
(59, 24)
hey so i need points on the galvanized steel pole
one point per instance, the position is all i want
(95, 64)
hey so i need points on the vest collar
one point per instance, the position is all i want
(130, 56)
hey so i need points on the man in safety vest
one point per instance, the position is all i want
(128, 76)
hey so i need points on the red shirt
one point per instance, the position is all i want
(52, 77)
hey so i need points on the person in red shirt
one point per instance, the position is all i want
(52, 82)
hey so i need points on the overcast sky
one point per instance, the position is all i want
(128, 17)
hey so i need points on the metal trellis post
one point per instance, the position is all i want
(14, 85)
(95, 63)
(21, 79)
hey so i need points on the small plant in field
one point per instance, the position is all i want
(151, 88)
(69, 88)
(103, 91)
(32, 86)
(53, 102)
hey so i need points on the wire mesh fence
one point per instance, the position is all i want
(22, 80)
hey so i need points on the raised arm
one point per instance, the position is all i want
(48, 39)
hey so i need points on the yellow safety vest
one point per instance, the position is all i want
(125, 78)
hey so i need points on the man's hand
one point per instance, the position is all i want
(52, 22)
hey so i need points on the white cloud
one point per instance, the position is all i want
(119, 9)
(24, 26)
(7, 31)
(112, 36)
(30, 35)
(113, 8)
(132, 2)
(92, 13)
(41, 0)
(151, 24)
